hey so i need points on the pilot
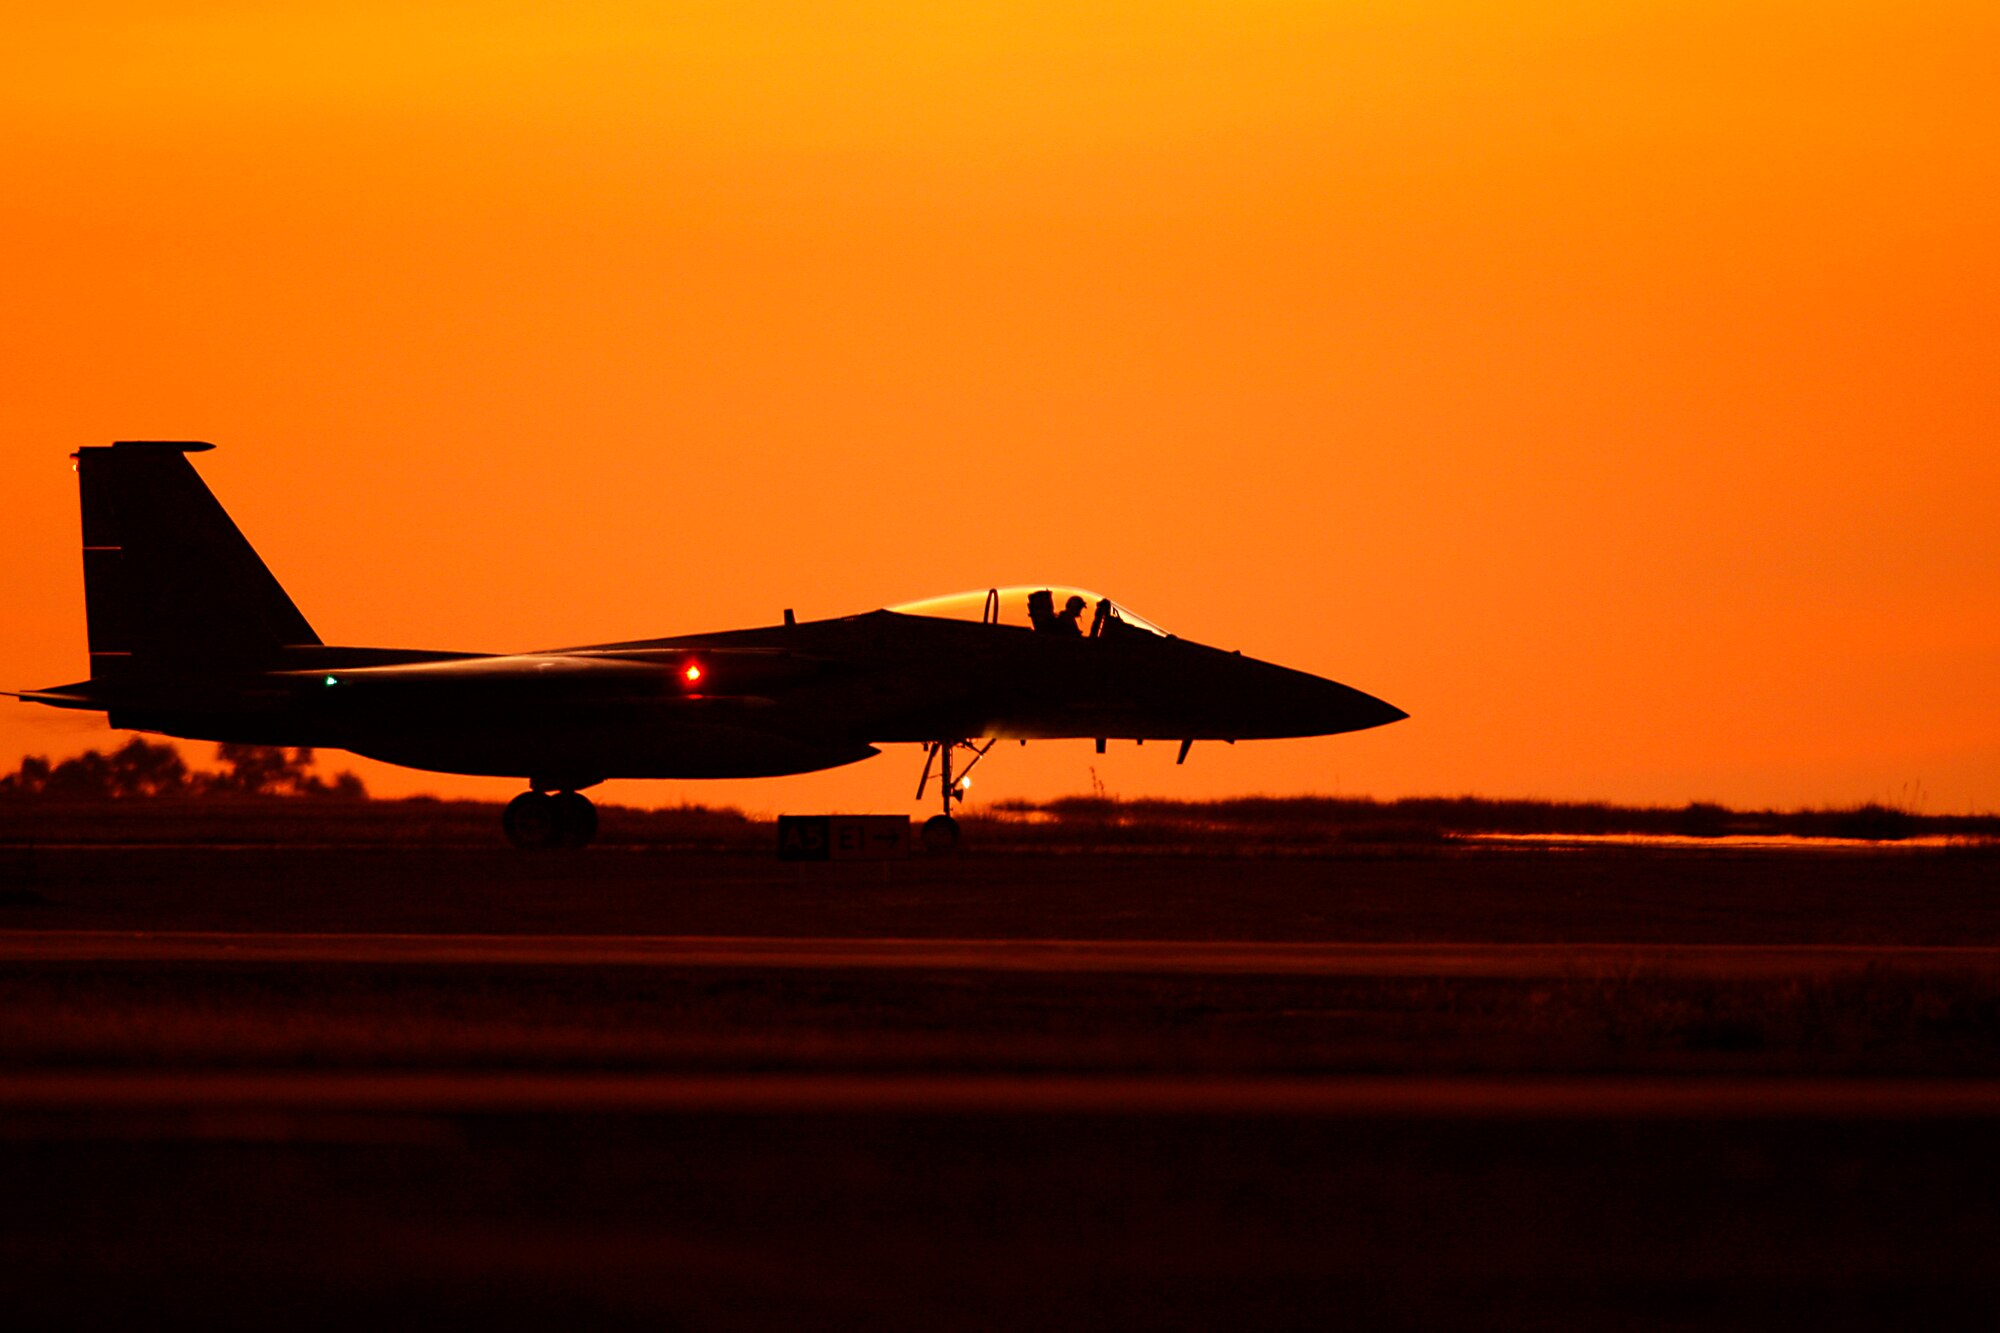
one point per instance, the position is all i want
(1102, 618)
(1042, 610)
(1071, 620)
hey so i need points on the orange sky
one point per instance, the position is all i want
(1614, 387)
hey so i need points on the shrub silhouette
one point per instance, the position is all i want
(1353, 819)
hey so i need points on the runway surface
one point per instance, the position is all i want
(1471, 961)
(597, 1093)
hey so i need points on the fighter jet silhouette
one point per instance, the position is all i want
(191, 636)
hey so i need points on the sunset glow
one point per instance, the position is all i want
(1611, 387)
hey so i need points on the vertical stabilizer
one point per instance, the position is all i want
(168, 580)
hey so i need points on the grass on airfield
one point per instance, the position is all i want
(1248, 825)
(378, 867)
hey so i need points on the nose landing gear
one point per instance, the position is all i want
(539, 819)
(940, 832)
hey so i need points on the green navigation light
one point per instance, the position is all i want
(331, 681)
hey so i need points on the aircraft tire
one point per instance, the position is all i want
(576, 819)
(531, 821)
(940, 834)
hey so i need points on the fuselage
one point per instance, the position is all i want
(743, 703)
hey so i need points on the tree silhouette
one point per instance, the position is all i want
(257, 770)
(141, 769)
(270, 770)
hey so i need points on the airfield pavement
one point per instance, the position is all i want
(1452, 1086)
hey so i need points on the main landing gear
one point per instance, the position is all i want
(940, 832)
(538, 819)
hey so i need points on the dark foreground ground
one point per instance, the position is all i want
(307, 1086)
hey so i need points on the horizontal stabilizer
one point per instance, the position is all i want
(72, 697)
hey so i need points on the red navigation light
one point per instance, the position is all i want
(691, 673)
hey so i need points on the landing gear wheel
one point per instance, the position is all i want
(576, 819)
(530, 821)
(940, 834)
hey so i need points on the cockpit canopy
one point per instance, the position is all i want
(1043, 607)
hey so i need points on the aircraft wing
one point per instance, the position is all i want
(521, 666)
(694, 672)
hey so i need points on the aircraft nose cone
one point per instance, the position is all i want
(1278, 701)
(1248, 699)
(1336, 708)
(1377, 712)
